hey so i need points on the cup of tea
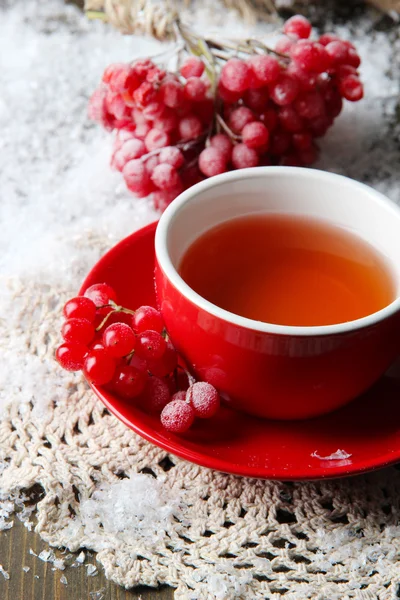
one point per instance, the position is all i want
(281, 287)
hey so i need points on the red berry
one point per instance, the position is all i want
(320, 126)
(150, 163)
(270, 118)
(285, 90)
(119, 339)
(190, 127)
(351, 88)
(205, 111)
(116, 106)
(327, 38)
(226, 95)
(80, 308)
(239, 118)
(195, 89)
(162, 198)
(142, 66)
(333, 101)
(353, 58)
(284, 45)
(344, 70)
(291, 160)
(171, 93)
(177, 416)
(172, 156)
(244, 157)
(265, 68)
(123, 78)
(156, 139)
(166, 364)
(310, 105)
(71, 356)
(130, 150)
(308, 156)
(144, 94)
(181, 395)
(153, 111)
(222, 142)
(150, 345)
(279, 142)
(302, 140)
(257, 98)
(167, 122)
(129, 382)
(147, 317)
(99, 367)
(255, 135)
(138, 116)
(136, 177)
(139, 363)
(204, 398)
(235, 75)
(142, 129)
(298, 26)
(212, 161)
(305, 79)
(156, 394)
(155, 75)
(165, 176)
(337, 52)
(310, 56)
(192, 67)
(78, 330)
(290, 119)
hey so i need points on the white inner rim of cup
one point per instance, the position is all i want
(281, 190)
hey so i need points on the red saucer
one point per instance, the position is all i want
(368, 429)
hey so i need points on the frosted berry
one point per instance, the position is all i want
(285, 90)
(351, 88)
(284, 45)
(101, 294)
(71, 355)
(150, 163)
(142, 67)
(78, 330)
(290, 120)
(227, 95)
(204, 398)
(156, 139)
(298, 26)
(195, 89)
(155, 75)
(326, 38)
(255, 135)
(177, 416)
(306, 79)
(235, 75)
(265, 68)
(129, 382)
(150, 345)
(162, 198)
(98, 367)
(131, 149)
(171, 93)
(167, 122)
(190, 127)
(142, 130)
(353, 58)
(147, 317)
(257, 98)
(212, 161)
(153, 111)
(222, 142)
(165, 176)
(244, 157)
(136, 176)
(192, 67)
(80, 308)
(337, 51)
(239, 118)
(310, 105)
(172, 156)
(156, 394)
(310, 56)
(181, 395)
(119, 339)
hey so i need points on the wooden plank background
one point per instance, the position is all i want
(42, 583)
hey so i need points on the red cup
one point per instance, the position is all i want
(270, 370)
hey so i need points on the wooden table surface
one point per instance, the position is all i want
(42, 583)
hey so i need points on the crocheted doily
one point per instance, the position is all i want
(210, 534)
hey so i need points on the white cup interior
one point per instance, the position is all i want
(286, 190)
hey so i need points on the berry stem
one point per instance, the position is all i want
(227, 129)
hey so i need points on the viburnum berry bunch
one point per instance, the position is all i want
(130, 354)
(234, 104)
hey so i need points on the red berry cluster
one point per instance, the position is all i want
(265, 107)
(129, 352)
(275, 106)
(159, 116)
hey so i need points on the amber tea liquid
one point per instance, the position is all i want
(288, 270)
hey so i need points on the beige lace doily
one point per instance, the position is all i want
(227, 537)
